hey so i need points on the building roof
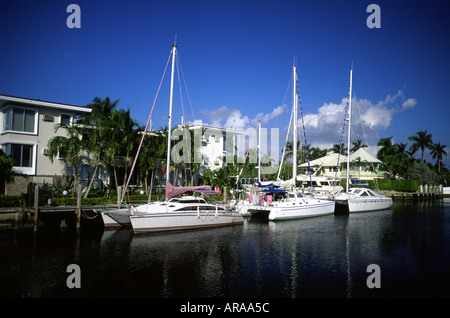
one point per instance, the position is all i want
(364, 155)
(326, 161)
(227, 130)
(332, 159)
(4, 99)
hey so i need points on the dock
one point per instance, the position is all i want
(59, 216)
(423, 193)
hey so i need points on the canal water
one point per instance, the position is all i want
(319, 257)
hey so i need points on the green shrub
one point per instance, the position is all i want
(10, 201)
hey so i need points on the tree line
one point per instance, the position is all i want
(109, 137)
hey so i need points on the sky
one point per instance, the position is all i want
(236, 59)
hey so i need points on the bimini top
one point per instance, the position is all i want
(172, 191)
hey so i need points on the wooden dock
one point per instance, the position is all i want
(424, 193)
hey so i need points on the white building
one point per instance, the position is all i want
(217, 145)
(363, 166)
(26, 126)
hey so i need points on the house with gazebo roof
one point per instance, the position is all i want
(363, 166)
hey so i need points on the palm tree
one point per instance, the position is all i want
(356, 145)
(98, 129)
(421, 141)
(387, 148)
(339, 148)
(152, 155)
(69, 148)
(289, 150)
(6, 171)
(437, 151)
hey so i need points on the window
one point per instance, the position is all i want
(19, 119)
(22, 155)
(66, 119)
(224, 144)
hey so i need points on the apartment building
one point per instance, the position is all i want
(26, 126)
(217, 145)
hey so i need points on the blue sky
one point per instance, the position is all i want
(237, 58)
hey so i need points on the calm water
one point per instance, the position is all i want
(318, 257)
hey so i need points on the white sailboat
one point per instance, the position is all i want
(358, 199)
(294, 205)
(180, 213)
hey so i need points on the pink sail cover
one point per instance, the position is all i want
(172, 191)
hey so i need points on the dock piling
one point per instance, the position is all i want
(78, 205)
(36, 206)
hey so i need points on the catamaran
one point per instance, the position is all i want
(358, 199)
(293, 204)
(179, 212)
(176, 212)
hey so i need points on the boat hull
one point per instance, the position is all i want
(243, 208)
(369, 205)
(116, 218)
(177, 221)
(301, 211)
(259, 213)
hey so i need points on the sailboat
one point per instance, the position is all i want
(294, 204)
(181, 212)
(358, 199)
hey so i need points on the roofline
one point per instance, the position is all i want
(231, 130)
(42, 103)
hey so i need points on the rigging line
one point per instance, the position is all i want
(360, 119)
(284, 104)
(185, 86)
(181, 92)
(341, 140)
(251, 142)
(304, 135)
(145, 130)
(285, 143)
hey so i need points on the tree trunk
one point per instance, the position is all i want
(90, 183)
(115, 178)
(75, 180)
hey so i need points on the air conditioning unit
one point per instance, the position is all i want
(45, 151)
(48, 117)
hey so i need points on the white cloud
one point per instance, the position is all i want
(233, 118)
(325, 127)
(375, 115)
(410, 102)
(265, 118)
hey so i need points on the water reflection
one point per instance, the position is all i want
(319, 257)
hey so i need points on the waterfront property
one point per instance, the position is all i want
(26, 126)
(363, 166)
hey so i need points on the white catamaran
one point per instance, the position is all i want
(294, 204)
(180, 213)
(358, 199)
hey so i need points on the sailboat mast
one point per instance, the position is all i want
(294, 139)
(169, 136)
(259, 151)
(349, 129)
